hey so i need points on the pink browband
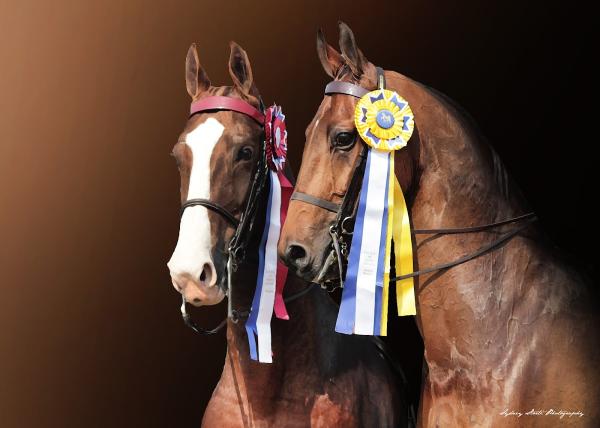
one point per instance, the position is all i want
(227, 103)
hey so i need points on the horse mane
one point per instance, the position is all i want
(501, 176)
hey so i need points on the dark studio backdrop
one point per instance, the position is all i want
(92, 98)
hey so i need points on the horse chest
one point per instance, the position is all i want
(238, 411)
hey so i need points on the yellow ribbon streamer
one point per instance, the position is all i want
(398, 228)
(388, 248)
(405, 294)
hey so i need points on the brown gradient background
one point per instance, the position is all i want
(92, 98)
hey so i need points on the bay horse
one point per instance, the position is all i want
(318, 378)
(510, 332)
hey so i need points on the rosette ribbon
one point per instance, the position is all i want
(385, 122)
(272, 273)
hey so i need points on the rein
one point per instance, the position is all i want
(235, 315)
(346, 212)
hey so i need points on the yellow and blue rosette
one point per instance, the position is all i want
(385, 121)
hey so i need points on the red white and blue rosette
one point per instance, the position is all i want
(272, 273)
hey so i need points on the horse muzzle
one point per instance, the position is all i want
(201, 291)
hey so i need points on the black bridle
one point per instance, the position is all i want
(238, 244)
(340, 230)
(244, 227)
(213, 207)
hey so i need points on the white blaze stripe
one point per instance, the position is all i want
(369, 252)
(194, 243)
(267, 295)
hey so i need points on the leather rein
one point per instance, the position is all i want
(341, 233)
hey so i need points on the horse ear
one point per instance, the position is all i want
(240, 70)
(331, 60)
(196, 79)
(353, 56)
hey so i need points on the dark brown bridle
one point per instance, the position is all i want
(237, 247)
(346, 211)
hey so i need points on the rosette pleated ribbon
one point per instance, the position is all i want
(272, 274)
(385, 122)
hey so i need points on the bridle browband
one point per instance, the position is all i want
(215, 103)
(346, 210)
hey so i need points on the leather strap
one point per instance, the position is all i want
(350, 197)
(472, 229)
(337, 87)
(213, 207)
(347, 88)
(349, 203)
(313, 200)
(236, 315)
(381, 83)
(227, 103)
(480, 252)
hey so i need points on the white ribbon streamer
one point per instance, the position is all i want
(267, 295)
(366, 279)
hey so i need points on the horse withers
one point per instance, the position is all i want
(505, 333)
(317, 378)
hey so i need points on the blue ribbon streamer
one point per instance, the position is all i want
(346, 316)
(251, 329)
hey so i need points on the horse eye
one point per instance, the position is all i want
(344, 140)
(244, 154)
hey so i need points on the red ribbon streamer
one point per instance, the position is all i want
(276, 150)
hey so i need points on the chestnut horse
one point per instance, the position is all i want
(318, 378)
(511, 331)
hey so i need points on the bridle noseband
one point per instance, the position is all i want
(213, 207)
(346, 211)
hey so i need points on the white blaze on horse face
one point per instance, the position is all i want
(193, 246)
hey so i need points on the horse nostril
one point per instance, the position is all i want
(208, 276)
(296, 252)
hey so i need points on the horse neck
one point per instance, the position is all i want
(302, 346)
(461, 182)
(462, 179)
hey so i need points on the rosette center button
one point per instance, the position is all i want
(385, 119)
